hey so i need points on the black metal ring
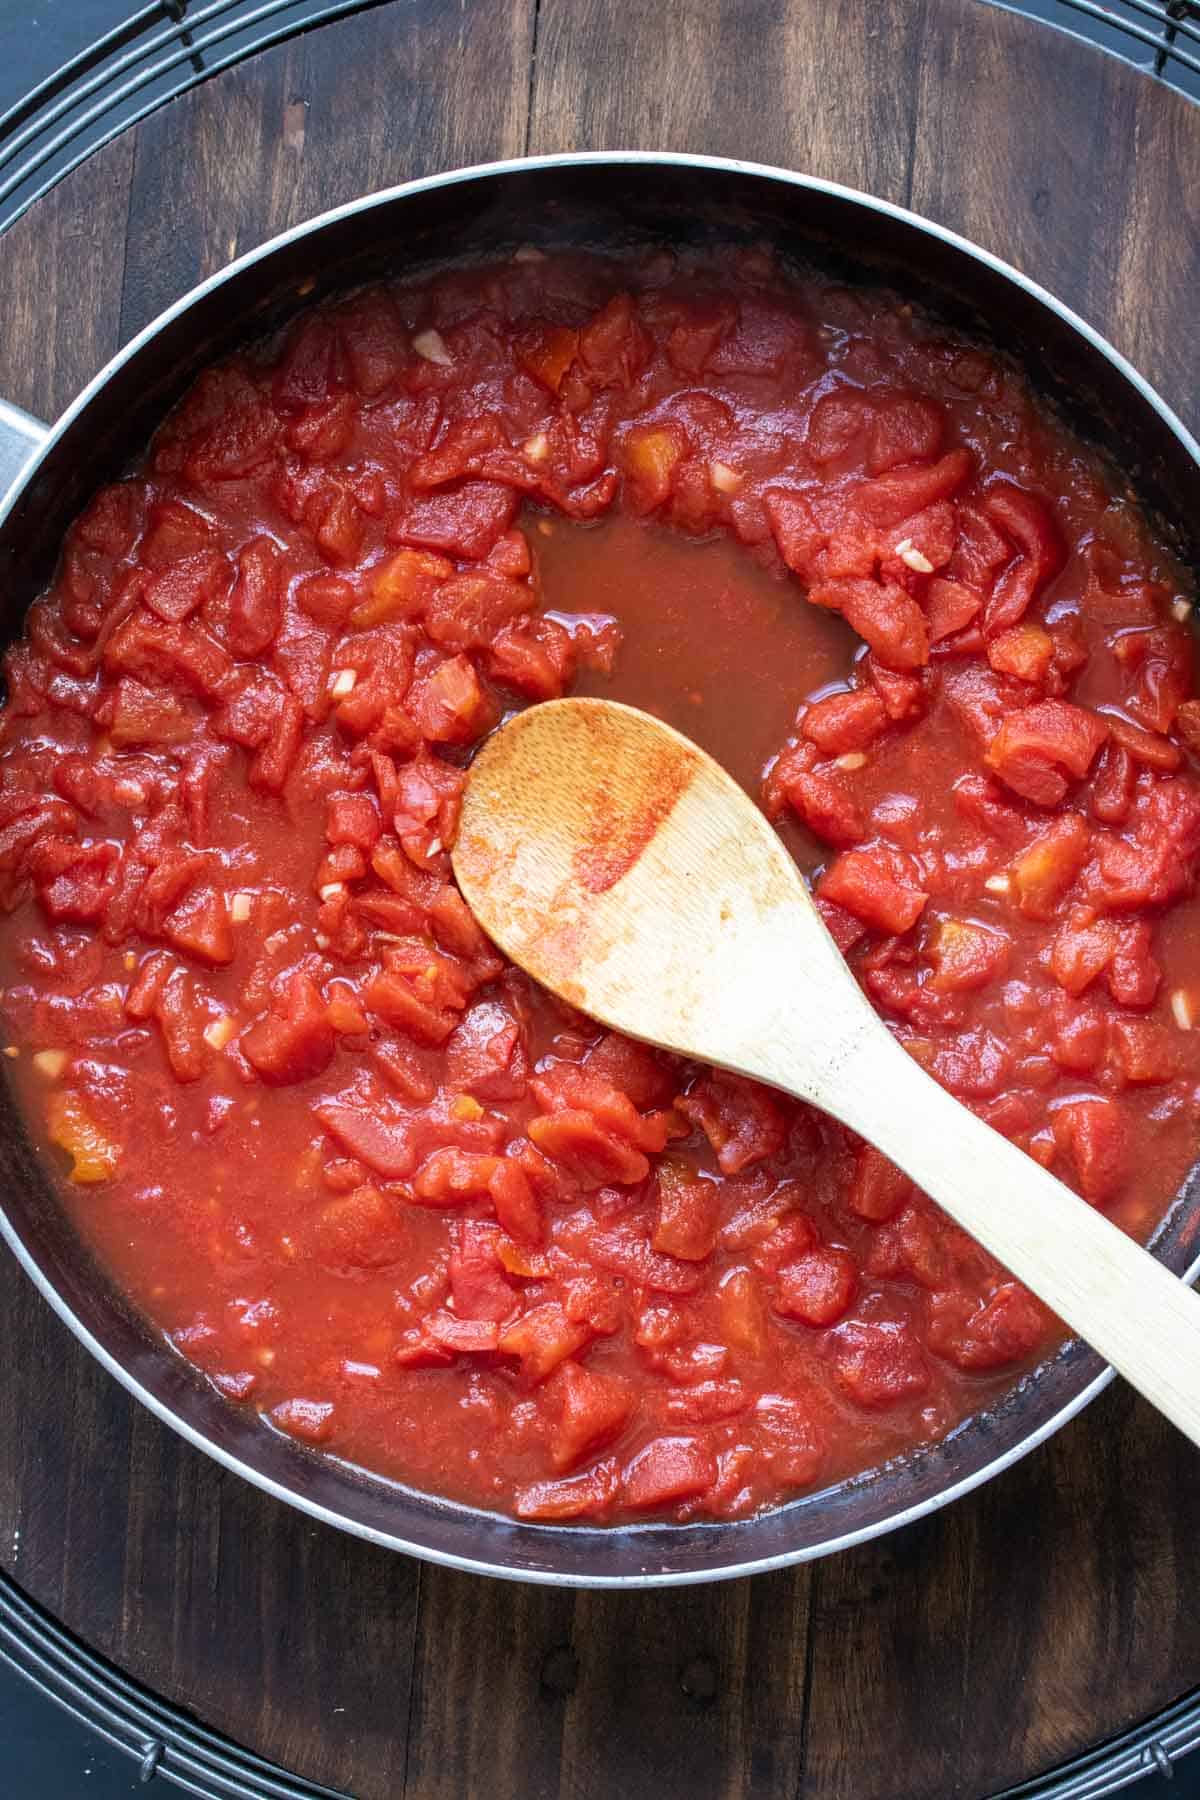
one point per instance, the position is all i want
(168, 1745)
(157, 54)
(160, 1738)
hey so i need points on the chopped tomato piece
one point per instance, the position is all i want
(879, 1365)
(626, 1250)
(845, 721)
(1043, 875)
(1023, 650)
(688, 1211)
(965, 956)
(742, 1313)
(542, 1338)
(294, 1041)
(516, 1203)
(467, 612)
(818, 1288)
(595, 1409)
(587, 1496)
(871, 885)
(453, 1176)
(359, 1230)
(906, 428)
(652, 455)
(950, 606)
(878, 1189)
(668, 1469)
(309, 1420)
(402, 587)
(1094, 1137)
(592, 1152)
(1027, 521)
(742, 1121)
(94, 1155)
(1037, 749)
(1144, 1050)
(463, 1337)
(990, 1334)
(883, 613)
(548, 351)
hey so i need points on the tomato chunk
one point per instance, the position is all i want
(872, 886)
(669, 1469)
(883, 613)
(294, 1041)
(817, 1288)
(595, 1409)
(1038, 749)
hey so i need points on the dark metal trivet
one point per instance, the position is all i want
(167, 1744)
(157, 53)
(161, 1739)
(169, 46)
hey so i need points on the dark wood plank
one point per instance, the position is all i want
(55, 1405)
(1003, 151)
(56, 329)
(808, 84)
(399, 92)
(1043, 1613)
(539, 1693)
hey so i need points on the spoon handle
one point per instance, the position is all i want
(1110, 1291)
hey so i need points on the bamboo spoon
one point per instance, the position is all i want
(628, 873)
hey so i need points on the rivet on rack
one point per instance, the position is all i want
(152, 1755)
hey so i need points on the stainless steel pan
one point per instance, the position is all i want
(609, 201)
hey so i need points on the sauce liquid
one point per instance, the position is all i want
(682, 602)
(367, 1181)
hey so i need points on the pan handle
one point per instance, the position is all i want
(20, 435)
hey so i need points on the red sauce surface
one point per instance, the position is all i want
(360, 1172)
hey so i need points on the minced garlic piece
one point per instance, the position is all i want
(432, 346)
(916, 559)
(218, 1034)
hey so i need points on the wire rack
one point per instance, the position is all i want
(155, 53)
(168, 1746)
(166, 47)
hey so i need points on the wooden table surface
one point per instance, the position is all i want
(977, 1648)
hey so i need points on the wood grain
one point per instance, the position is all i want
(402, 91)
(55, 329)
(1054, 156)
(1045, 1612)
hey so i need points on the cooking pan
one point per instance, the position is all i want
(612, 202)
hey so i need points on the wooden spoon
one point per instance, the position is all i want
(628, 873)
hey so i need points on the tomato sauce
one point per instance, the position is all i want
(359, 1171)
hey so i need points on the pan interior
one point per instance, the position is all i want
(613, 206)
